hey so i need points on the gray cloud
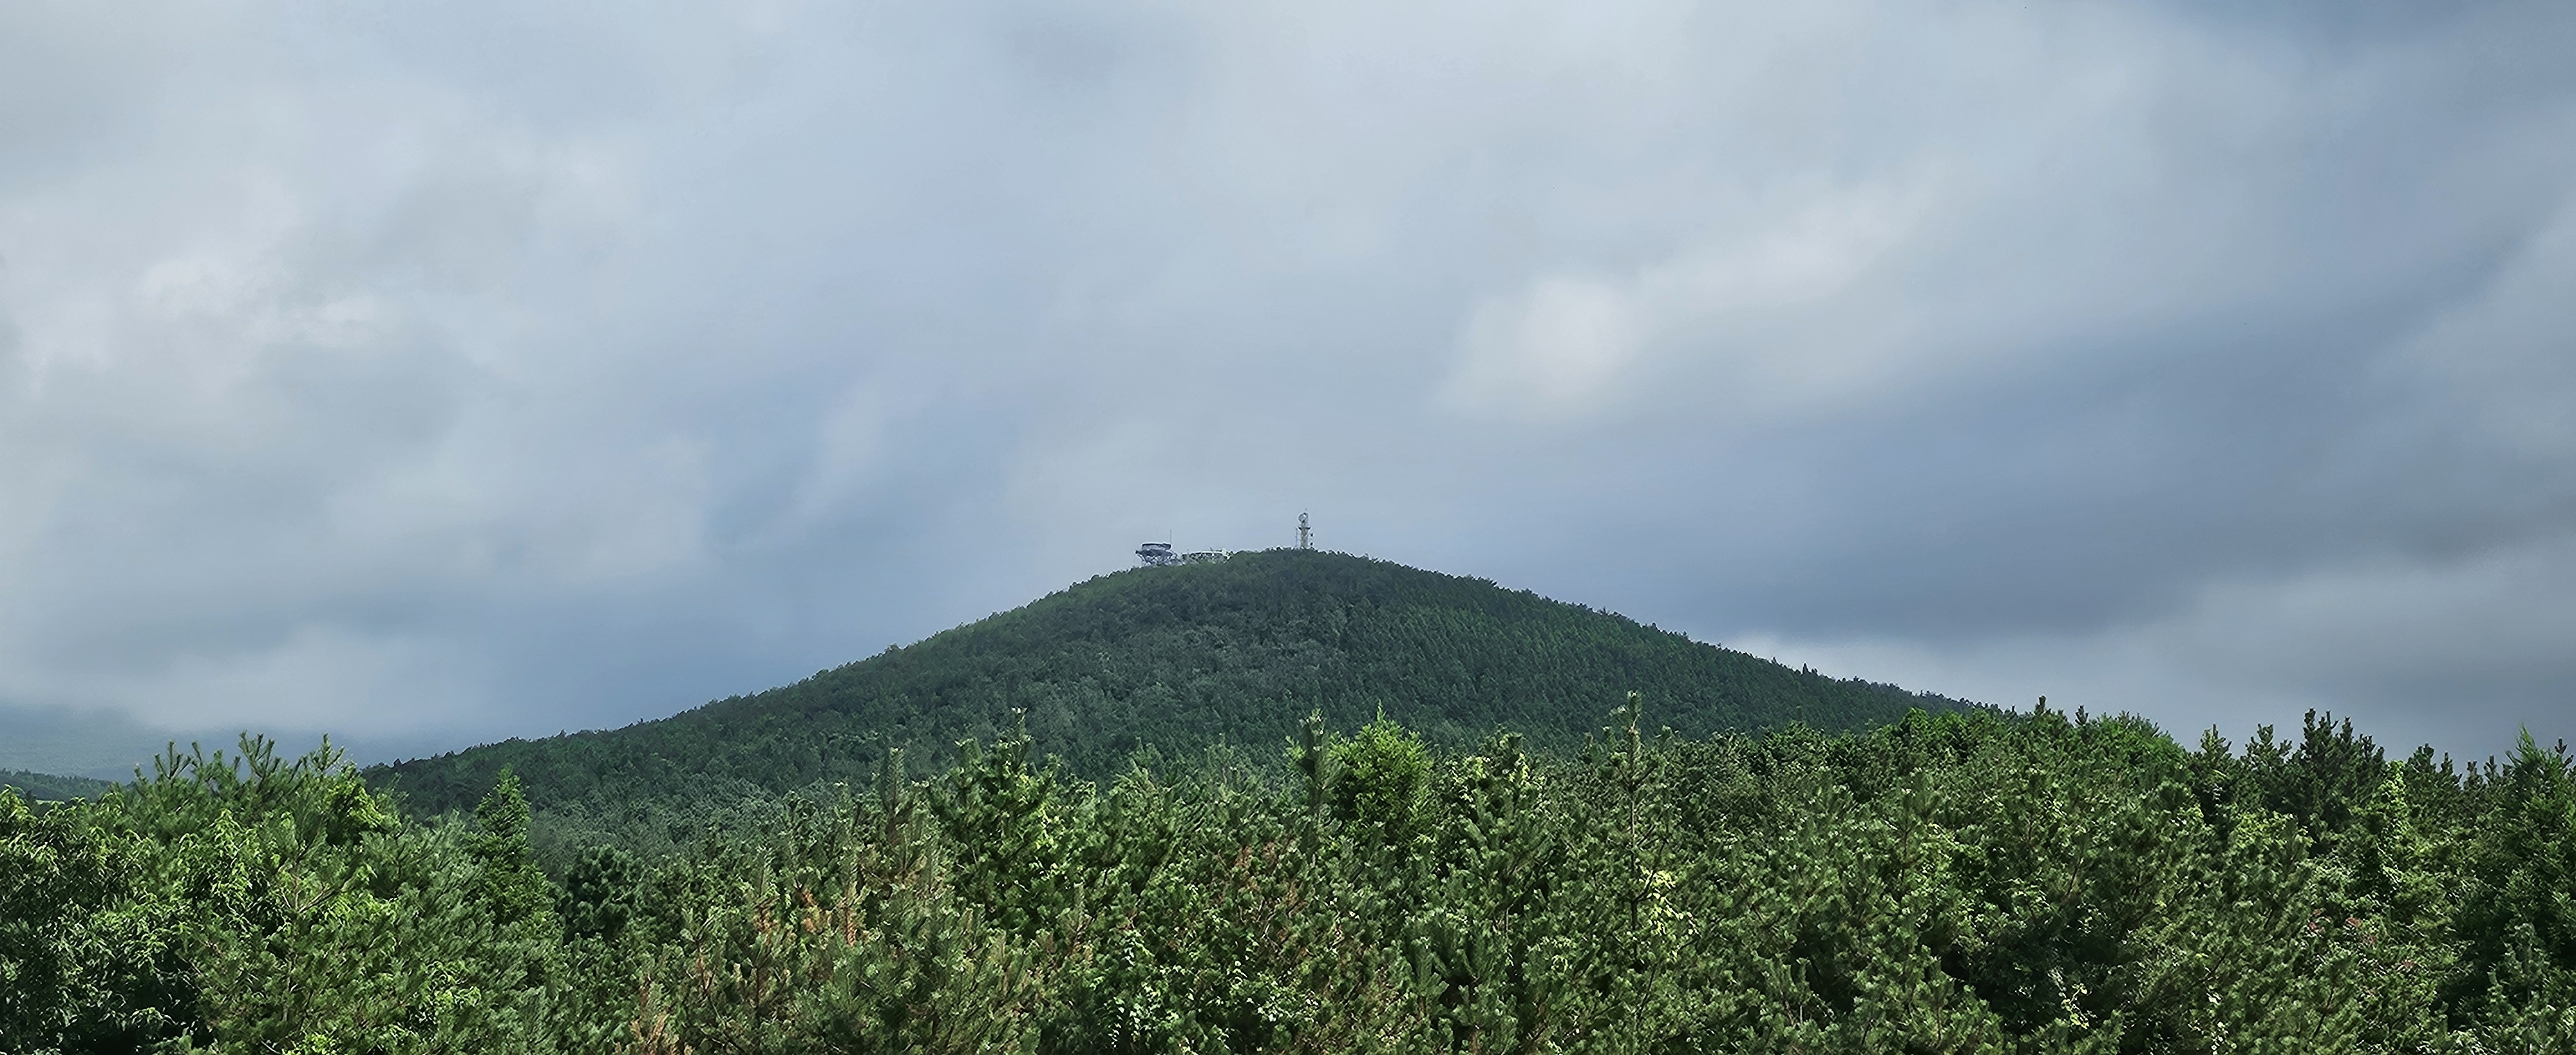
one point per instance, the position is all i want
(450, 374)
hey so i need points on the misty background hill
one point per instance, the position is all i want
(47, 787)
(101, 744)
(107, 745)
(1169, 660)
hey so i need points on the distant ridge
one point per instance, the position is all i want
(1175, 659)
(47, 787)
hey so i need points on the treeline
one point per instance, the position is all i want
(46, 787)
(1168, 659)
(1952, 883)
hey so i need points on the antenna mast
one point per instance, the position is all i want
(1305, 534)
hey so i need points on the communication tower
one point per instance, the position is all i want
(1305, 534)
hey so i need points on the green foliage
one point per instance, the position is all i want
(1168, 659)
(45, 787)
(599, 894)
(254, 903)
(840, 932)
(85, 965)
(1380, 778)
(1950, 883)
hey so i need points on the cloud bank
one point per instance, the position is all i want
(497, 369)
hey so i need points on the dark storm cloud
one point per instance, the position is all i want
(462, 373)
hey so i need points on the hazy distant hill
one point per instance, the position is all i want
(45, 787)
(103, 744)
(1176, 658)
(112, 746)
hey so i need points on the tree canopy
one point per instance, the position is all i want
(1961, 882)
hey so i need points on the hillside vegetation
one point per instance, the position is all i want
(43, 787)
(1968, 882)
(1168, 659)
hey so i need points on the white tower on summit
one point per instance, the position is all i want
(1305, 534)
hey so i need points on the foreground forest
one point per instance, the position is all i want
(1156, 659)
(1962, 882)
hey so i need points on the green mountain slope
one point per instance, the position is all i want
(1175, 659)
(46, 787)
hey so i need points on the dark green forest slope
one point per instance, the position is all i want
(43, 787)
(1173, 659)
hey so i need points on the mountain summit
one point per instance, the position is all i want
(1175, 659)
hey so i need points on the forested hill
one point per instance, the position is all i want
(44, 787)
(1178, 658)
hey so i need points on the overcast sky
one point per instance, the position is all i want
(439, 372)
